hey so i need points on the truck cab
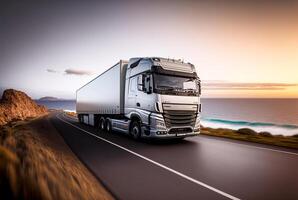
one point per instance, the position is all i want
(162, 98)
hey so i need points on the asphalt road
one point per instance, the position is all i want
(196, 168)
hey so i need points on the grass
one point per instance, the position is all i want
(32, 169)
(252, 136)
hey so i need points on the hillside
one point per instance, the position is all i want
(16, 105)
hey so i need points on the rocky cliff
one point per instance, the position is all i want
(16, 105)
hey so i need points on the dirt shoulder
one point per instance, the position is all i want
(35, 163)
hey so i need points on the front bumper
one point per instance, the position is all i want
(158, 129)
(153, 134)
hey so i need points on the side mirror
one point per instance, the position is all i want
(141, 83)
(200, 87)
(146, 84)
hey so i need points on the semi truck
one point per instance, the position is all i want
(148, 97)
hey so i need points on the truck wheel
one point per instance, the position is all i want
(108, 126)
(102, 124)
(135, 130)
(79, 118)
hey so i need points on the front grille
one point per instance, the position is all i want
(180, 130)
(176, 118)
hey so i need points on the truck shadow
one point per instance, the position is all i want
(175, 141)
(115, 135)
(122, 138)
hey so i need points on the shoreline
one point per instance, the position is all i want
(273, 128)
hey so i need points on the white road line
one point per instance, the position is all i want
(156, 163)
(256, 147)
(74, 119)
(70, 118)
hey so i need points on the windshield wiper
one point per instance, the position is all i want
(190, 90)
(176, 89)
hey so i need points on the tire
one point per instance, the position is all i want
(79, 118)
(108, 126)
(102, 124)
(135, 130)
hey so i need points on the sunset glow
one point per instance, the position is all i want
(245, 44)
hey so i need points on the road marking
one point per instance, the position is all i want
(70, 118)
(256, 147)
(155, 163)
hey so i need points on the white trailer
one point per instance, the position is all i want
(145, 97)
(105, 93)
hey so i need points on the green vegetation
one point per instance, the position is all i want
(246, 134)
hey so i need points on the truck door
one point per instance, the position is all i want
(132, 94)
(144, 99)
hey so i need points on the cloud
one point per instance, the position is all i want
(220, 85)
(51, 70)
(78, 72)
(71, 71)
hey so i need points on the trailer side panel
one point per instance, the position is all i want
(103, 94)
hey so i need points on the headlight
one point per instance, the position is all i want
(160, 123)
(157, 121)
(197, 121)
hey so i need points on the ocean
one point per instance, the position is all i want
(277, 116)
(68, 105)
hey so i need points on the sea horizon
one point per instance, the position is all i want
(279, 116)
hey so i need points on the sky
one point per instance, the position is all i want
(240, 49)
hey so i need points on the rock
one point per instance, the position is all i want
(265, 134)
(16, 105)
(246, 131)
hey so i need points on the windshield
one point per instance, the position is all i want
(176, 84)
